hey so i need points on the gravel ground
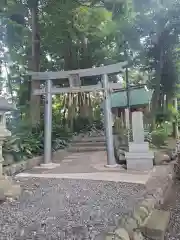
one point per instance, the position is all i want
(173, 205)
(66, 209)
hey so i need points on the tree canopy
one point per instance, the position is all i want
(53, 35)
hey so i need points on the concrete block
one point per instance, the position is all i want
(145, 164)
(142, 161)
(140, 155)
(156, 225)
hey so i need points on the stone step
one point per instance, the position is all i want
(156, 225)
(87, 149)
(90, 139)
(88, 144)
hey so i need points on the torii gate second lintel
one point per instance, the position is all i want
(106, 87)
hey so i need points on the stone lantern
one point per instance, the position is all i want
(7, 189)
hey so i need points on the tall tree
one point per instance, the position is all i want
(35, 61)
(158, 25)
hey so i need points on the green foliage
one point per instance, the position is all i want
(159, 137)
(169, 114)
(178, 119)
(158, 25)
(26, 142)
(82, 124)
(32, 3)
(24, 145)
(162, 116)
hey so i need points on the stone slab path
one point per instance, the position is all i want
(89, 165)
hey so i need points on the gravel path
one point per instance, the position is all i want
(173, 205)
(66, 209)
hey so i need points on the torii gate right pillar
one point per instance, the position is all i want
(108, 123)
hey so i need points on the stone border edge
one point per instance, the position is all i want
(30, 163)
(129, 226)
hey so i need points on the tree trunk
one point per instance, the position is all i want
(69, 55)
(35, 65)
(156, 94)
(9, 82)
(86, 61)
(167, 101)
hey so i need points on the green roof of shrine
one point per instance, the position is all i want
(138, 97)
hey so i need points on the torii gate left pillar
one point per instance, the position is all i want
(108, 123)
(48, 124)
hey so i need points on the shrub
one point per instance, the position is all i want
(85, 125)
(24, 147)
(27, 142)
(159, 137)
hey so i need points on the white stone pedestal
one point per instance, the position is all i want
(138, 147)
(139, 161)
(139, 157)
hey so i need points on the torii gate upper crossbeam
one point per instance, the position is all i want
(114, 68)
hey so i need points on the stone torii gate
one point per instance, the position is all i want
(75, 86)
